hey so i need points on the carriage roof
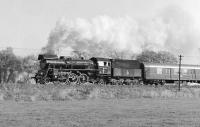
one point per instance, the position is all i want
(185, 66)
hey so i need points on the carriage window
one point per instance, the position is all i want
(189, 71)
(159, 70)
(184, 71)
(176, 70)
(197, 71)
(109, 64)
(166, 71)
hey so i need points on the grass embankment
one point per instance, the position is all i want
(50, 92)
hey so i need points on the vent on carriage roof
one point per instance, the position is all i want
(47, 57)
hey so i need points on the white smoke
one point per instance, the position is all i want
(171, 30)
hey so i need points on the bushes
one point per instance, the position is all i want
(62, 92)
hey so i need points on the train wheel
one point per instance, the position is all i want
(101, 82)
(118, 82)
(83, 78)
(121, 81)
(41, 81)
(128, 82)
(71, 78)
(47, 80)
(113, 81)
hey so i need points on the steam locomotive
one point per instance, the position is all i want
(114, 71)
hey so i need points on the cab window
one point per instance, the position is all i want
(105, 63)
(100, 63)
(109, 64)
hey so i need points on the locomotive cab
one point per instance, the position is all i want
(103, 65)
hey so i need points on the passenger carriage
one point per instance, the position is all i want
(170, 73)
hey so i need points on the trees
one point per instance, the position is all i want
(9, 63)
(29, 66)
(157, 57)
(14, 68)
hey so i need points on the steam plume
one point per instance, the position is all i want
(171, 30)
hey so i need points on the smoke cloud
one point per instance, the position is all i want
(104, 36)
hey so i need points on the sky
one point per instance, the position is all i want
(26, 24)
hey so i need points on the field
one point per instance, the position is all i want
(98, 106)
(101, 113)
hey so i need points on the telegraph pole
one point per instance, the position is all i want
(179, 73)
